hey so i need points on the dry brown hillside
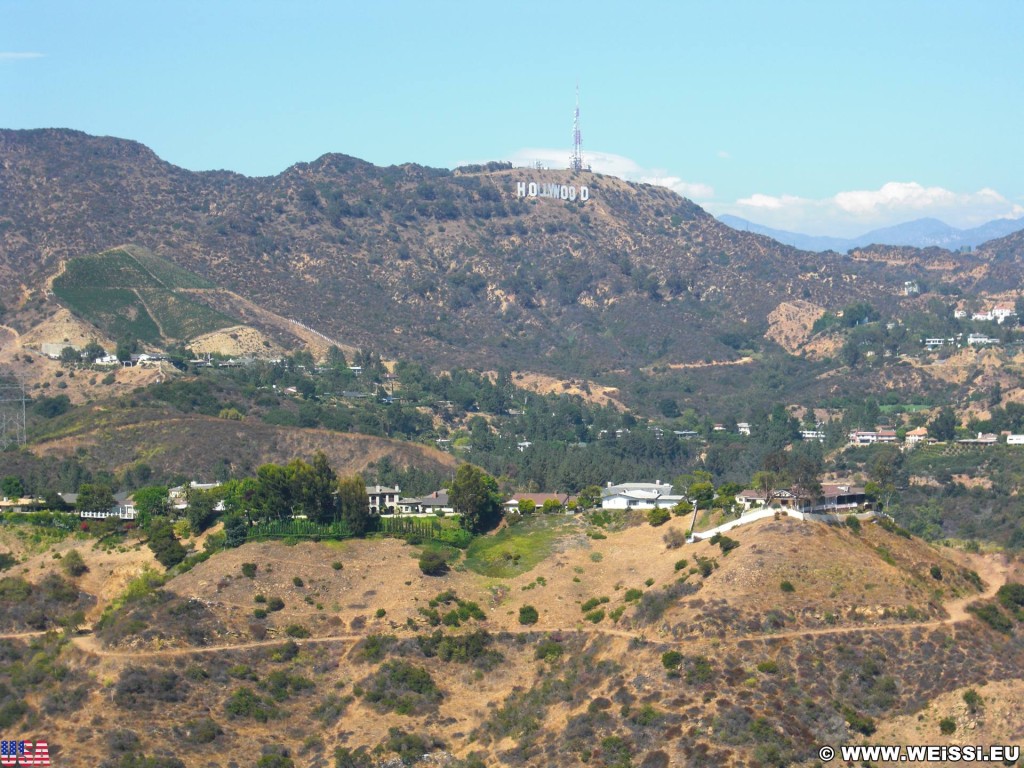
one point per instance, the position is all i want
(637, 658)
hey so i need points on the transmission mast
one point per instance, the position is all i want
(576, 160)
(12, 415)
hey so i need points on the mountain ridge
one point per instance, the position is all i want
(919, 233)
(437, 264)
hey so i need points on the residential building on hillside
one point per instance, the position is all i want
(538, 499)
(915, 436)
(869, 437)
(833, 497)
(383, 500)
(639, 496)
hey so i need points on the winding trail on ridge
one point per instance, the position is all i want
(994, 573)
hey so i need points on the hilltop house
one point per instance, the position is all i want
(639, 496)
(833, 497)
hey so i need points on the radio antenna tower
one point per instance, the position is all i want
(576, 160)
(12, 415)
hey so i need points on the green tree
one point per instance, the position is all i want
(274, 492)
(474, 495)
(354, 505)
(201, 510)
(11, 487)
(94, 498)
(149, 501)
(126, 348)
(164, 544)
(240, 497)
(314, 488)
(527, 506)
(234, 530)
(943, 426)
(70, 356)
(589, 497)
(92, 351)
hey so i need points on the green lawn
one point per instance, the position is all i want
(516, 549)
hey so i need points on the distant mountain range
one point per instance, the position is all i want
(920, 233)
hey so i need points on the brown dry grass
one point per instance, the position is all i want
(832, 570)
(790, 323)
(589, 391)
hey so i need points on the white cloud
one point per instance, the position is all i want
(724, 155)
(855, 212)
(615, 165)
(19, 55)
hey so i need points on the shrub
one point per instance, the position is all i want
(73, 564)
(528, 615)
(381, 613)
(706, 565)
(548, 650)
(947, 726)
(260, 613)
(433, 564)
(592, 603)
(275, 604)
(139, 687)
(245, 702)
(336, 565)
(261, 598)
(858, 722)
(202, 731)
(936, 572)
(991, 615)
(787, 586)
(296, 630)
(331, 709)
(595, 617)
(1011, 596)
(724, 542)
(633, 595)
(973, 700)
(680, 564)
(658, 517)
(768, 667)
(401, 687)
(674, 538)
(298, 582)
(671, 659)
(699, 670)
(853, 523)
(249, 570)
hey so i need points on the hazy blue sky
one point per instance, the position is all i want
(825, 117)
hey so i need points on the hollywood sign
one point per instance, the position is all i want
(556, 191)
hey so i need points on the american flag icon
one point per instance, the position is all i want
(22, 753)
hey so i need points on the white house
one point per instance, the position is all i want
(124, 512)
(383, 499)
(1002, 312)
(639, 496)
(915, 436)
(1015, 439)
